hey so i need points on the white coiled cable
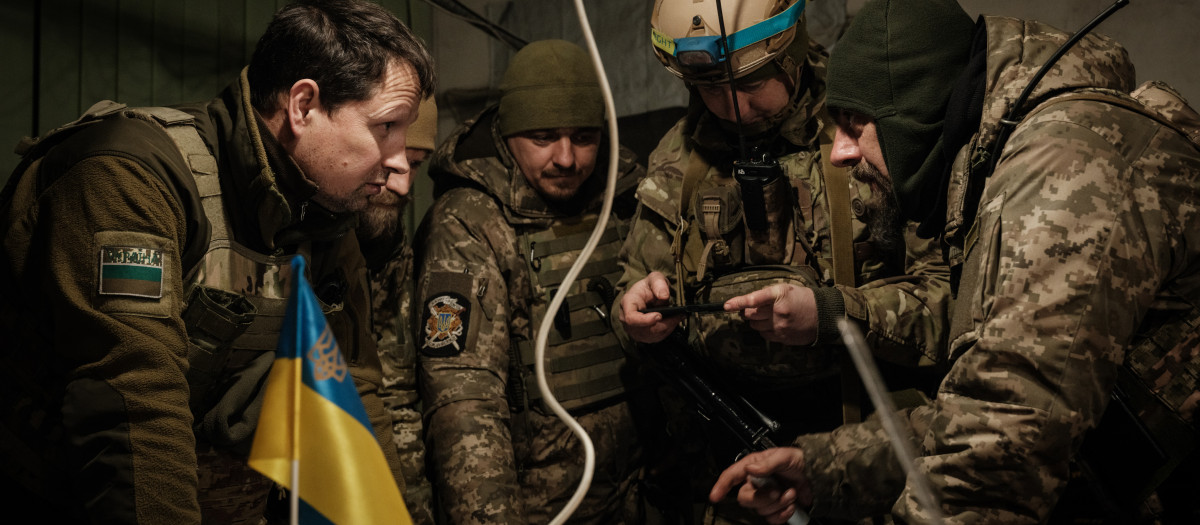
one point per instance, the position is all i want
(589, 464)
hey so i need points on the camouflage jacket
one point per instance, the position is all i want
(492, 462)
(901, 299)
(392, 324)
(94, 368)
(1082, 255)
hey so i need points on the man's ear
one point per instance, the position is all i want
(303, 104)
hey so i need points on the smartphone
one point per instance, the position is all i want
(669, 311)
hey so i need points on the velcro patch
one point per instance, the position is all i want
(446, 321)
(131, 271)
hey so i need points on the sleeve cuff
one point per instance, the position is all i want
(831, 306)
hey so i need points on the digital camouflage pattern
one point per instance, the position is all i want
(901, 299)
(96, 389)
(492, 461)
(392, 323)
(1085, 246)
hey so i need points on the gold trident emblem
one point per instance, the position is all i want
(327, 358)
(445, 323)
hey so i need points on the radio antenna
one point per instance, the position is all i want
(737, 112)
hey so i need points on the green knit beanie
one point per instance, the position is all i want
(897, 63)
(550, 84)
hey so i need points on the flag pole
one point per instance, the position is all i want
(297, 377)
(294, 496)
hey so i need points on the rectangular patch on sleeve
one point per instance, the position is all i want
(131, 271)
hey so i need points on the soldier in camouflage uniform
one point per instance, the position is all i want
(150, 250)
(1074, 333)
(381, 234)
(893, 283)
(519, 189)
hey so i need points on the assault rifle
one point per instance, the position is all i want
(674, 361)
(679, 367)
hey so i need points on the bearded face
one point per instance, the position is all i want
(882, 213)
(381, 219)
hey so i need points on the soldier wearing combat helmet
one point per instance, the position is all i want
(518, 190)
(1073, 395)
(802, 242)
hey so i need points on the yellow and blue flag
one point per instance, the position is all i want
(312, 417)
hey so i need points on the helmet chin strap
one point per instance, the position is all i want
(765, 129)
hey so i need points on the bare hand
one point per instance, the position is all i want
(784, 313)
(776, 502)
(654, 290)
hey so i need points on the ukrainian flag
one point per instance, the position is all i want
(313, 432)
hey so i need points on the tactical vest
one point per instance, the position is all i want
(235, 303)
(583, 358)
(234, 312)
(719, 257)
(234, 298)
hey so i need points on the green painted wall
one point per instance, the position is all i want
(61, 56)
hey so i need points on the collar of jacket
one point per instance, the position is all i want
(1016, 49)
(284, 214)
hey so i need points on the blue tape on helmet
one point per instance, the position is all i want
(697, 46)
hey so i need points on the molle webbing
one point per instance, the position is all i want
(266, 316)
(180, 128)
(1166, 363)
(573, 243)
(215, 316)
(225, 257)
(236, 303)
(696, 169)
(604, 383)
(579, 330)
(575, 361)
(1150, 426)
(591, 269)
(235, 306)
(583, 356)
(608, 385)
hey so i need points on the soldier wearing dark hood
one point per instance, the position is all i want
(518, 191)
(1076, 248)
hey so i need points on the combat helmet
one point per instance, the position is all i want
(686, 36)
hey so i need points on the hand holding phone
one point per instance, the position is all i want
(673, 310)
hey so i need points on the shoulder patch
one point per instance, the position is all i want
(446, 322)
(134, 271)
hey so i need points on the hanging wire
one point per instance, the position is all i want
(589, 464)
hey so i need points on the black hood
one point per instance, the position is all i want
(897, 64)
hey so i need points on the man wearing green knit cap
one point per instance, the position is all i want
(1074, 233)
(518, 190)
